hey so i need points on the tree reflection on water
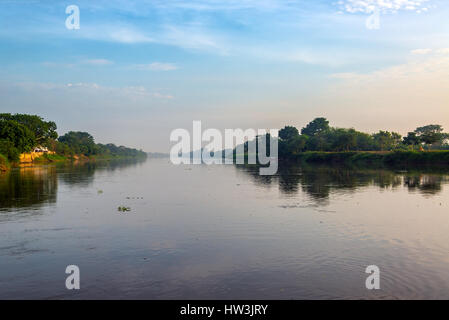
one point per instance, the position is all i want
(320, 181)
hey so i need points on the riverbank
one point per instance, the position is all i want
(51, 158)
(5, 165)
(376, 159)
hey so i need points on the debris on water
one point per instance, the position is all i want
(123, 209)
(100, 191)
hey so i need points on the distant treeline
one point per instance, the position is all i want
(319, 136)
(21, 133)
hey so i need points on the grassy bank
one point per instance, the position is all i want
(50, 158)
(377, 159)
(47, 158)
(4, 164)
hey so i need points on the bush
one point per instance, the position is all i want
(8, 150)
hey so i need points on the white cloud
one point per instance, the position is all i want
(421, 51)
(88, 88)
(125, 35)
(390, 6)
(192, 37)
(92, 62)
(50, 64)
(157, 66)
(98, 62)
(187, 36)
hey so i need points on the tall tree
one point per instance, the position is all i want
(431, 134)
(288, 133)
(18, 135)
(79, 142)
(385, 140)
(412, 139)
(317, 126)
(43, 130)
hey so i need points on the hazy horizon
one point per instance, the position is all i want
(136, 70)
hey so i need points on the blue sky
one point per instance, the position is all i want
(149, 67)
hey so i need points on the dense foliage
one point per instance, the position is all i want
(15, 138)
(82, 143)
(43, 130)
(319, 136)
(22, 133)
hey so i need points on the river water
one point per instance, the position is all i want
(222, 232)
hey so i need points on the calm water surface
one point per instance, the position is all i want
(222, 232)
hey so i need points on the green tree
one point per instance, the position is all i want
(79, 142)
(343, 139)
(18, 135)
(8, 149)
(43, 130)
(288, 133)
(315, 127)
(431, 134)
(318, 142)
(364, 141)
(385, 140)
(293, 146)
(412, 139)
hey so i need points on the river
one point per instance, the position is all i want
(222, 232)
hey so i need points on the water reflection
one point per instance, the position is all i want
(26, 187)
(35, 186)
(82, 174)
(319, 182)
(222, 232)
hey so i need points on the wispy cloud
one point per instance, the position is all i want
(125, 35)
(97, 62)
(91, 62)
(421, 51)
(51, 64)
(193, 37)
(90, 88)
(156, 66)
(390, 6)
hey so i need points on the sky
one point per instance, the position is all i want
(136, 70)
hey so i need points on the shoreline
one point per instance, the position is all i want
(5, 166)
(404, 159)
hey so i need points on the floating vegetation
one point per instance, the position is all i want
(123, 209)
(100, 191)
